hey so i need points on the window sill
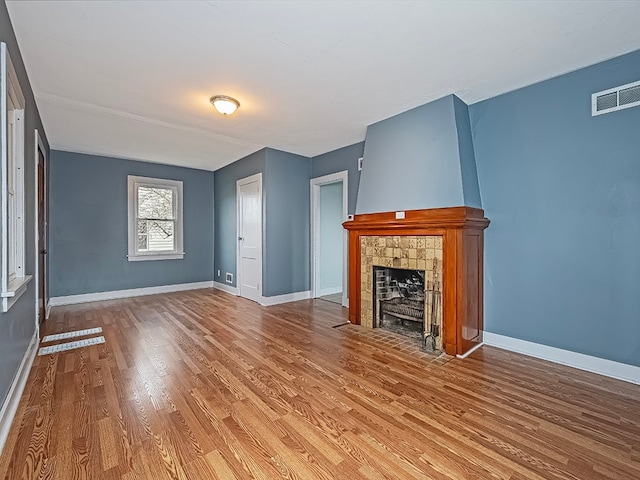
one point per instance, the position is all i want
(14, 291)
(155, 256)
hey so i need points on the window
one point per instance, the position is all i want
(155, 219)
(14, 281)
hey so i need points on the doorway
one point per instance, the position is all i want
(249, 251)
(328, 237)
(42, 301)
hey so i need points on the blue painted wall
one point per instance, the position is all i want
(562, 190)
(345, 158)
(226, 212)
(88, 226)
(415, 154)
(285, 203)
(470, 187)
(17, 326)
(287, 195)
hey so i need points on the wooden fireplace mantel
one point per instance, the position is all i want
(462, 231)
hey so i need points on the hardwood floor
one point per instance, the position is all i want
(334, 298)
(199, 385)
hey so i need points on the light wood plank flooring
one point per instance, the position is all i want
(334, 298)
(203, 385)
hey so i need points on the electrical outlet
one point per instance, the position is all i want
(360, 160)
(229, 277)
(218, 272)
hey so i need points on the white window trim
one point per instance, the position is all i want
(132, 202)
(14, 286)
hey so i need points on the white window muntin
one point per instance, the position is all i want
(137, 254)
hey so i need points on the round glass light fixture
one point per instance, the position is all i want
(224, 104)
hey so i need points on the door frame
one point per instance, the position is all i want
(239, 183)
(316, 183)
(39, 146)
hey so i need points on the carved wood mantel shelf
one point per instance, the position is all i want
(462, 232)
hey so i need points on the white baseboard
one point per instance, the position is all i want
(47, 310)
(133, 292)
(609, 368)
(329, 291)
(470, 351)
(10, 406)
(226, 288)
(287, 297)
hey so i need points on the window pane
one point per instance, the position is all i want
(142, 243)
(155, 202)
(142, 227)
(161, 235)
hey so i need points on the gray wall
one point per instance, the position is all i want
(286, 189)
(226, 212)
(88, 226)
(17, 326)
(412, 161)
(331, 235)
(562, 190)
(345, 158)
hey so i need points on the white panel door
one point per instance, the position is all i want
(250, 237)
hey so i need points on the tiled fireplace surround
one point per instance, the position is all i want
(453, 236)
(397, 251)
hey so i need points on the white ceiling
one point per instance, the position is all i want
(133, 79)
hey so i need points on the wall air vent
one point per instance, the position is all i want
(617, 98)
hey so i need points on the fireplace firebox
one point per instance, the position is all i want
(408, 302)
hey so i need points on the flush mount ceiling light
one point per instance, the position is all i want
(225, 105)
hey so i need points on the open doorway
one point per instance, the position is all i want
(329, 239)
(42, 293)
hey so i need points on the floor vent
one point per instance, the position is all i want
(76, 333)
(63, 347)
(617, 98)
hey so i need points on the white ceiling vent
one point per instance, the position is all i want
(617, 98)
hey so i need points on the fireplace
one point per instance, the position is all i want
(409, 302)
(446, 244)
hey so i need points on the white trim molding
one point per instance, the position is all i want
(13, 280)
(226, 288)
(132, 292)
(175, 186)
(10, 405)
(37, 274)
(315, 184)
(601, 366)
(470, 351)
(286, 298)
